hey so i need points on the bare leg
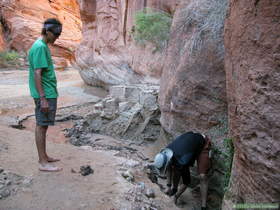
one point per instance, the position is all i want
(176, 178)
(185, 174)
(40, 138)
(203, 189)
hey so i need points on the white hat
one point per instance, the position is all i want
(162, 159)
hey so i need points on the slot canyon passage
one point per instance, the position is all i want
(132, 75)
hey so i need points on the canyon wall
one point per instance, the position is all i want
(252, 63)
(2, 40)
(21, 24)
(107, 54)
(199, 87)
(193, 84)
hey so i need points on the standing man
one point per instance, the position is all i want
(178, 156)
(43, 88)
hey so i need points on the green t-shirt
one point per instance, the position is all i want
(40, 58)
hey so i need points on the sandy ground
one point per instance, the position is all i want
(63, 190)
(105, 189)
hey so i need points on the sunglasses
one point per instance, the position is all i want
(56, 31)
(56, 34)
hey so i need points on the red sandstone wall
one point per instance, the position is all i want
(193, 86)
(24, 20)
(253, 87)
(2, 40)
(107, 54)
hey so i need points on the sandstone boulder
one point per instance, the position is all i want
(107, 54)
(22, 21)
(193, 86)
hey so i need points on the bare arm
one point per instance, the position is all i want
(169, 175)
(169, 179)
(38, 83)
(183, 187)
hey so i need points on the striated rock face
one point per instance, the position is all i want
(253, 74)
(107, 54)
(193, 86)
(2, 40)
(21, 21)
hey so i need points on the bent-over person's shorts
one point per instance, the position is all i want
(203, 162)
(45, 118)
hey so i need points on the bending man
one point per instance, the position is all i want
(178, 156)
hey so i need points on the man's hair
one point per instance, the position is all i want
(50, 24)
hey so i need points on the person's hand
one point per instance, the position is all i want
(172, 192)
(44, 105)
(167, 191)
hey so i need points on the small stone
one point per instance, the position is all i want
(131, 163)
(8, 182)
(86, 170)
(73, 170)
(15, 189)
(27, 181)
(86, 147)
(26, 189)
(1, 170)
(5, 193)
(141, 186)
(150, 193)
(124, 106)
(138, 198)
(98, 106)
(130, 179)
(83, 205)
(128, 176)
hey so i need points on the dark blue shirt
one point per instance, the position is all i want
(186, 148)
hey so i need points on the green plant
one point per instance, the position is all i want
(223, 158)
(221, 129)
(9, 58)
(228, 157)
(153, 27)
(9, 55)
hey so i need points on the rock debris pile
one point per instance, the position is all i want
(129, 113)
(10, 183)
